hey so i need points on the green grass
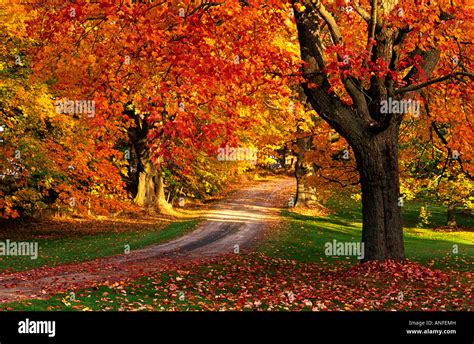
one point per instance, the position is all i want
(77, 249)
(304, 237)
(144, 292)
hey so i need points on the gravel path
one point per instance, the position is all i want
(231, 226)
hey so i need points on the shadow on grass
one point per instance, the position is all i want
(304, 239)
(335, 220)
(52, 252)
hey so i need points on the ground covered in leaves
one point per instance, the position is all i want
(257, 282)
(290, 271)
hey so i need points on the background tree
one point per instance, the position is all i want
(170, 79)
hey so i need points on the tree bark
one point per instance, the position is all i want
(452, 215)
(372, 134)
(146, 194)
(306, 195)
(377, 163)
(161, 203)
(150, 189)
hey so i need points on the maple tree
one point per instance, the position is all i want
(172, 82)
(158, 71)
(48, 158)
(393, 50)
(130, 108)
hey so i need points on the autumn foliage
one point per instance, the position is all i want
(171, 82)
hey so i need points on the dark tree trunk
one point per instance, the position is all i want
(452, 215)
(371, 132)
(377, 163)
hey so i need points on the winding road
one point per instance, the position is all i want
(230, 226)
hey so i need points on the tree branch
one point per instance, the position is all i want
(432, 81)
(330, 21)
(363, 13)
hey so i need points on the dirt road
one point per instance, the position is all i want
(231, 226)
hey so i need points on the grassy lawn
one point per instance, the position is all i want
(83, 248)
(143, 294)
(255, 282)
(261, 280)
(304, 237)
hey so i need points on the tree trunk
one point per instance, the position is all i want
(371, 132)
(161, 202)
(150, 189)
(377, 163)
(452, 215)
(146, 194)
(305, 193)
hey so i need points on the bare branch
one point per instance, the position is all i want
(330, 21)
(432, 81)
(373, 20)
(363, 13)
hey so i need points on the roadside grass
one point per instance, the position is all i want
(299, 239)
(251, 282)
(52, 252)
(303, 237)
(150, 293)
